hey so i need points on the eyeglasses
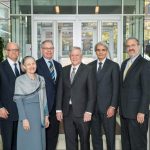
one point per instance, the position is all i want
(13, 50)
(48, 48)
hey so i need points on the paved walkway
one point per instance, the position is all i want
(61, 143)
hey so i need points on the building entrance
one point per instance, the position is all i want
(84, 31)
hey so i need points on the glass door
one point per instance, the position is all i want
(65, 41)
(78, 32)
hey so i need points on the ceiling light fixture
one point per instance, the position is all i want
(97, 8)
(57, 8)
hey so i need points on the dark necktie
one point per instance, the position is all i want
(16, 70)
(99, 69)
(52, 72)
(72, 75)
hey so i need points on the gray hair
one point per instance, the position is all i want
(27, 57)
(75, 47)
(102, 44)
(9, 43)
(46, 41)
(133, 38)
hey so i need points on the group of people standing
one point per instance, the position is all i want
(36, 95)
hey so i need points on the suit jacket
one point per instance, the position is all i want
(7, 85)
(51, 87)
(134, 95)
(107, 85)
(81, 91)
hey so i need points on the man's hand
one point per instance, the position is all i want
(4, 113)
(140, 118)
(110, 112)
(59, 116)
(26, 124)
(87, 117)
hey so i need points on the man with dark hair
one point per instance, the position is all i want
(50, 70)
(134, 98)
(9, 71)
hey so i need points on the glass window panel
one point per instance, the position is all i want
(48, 6)
(4, 24)
(5, 30)
(44, 32)
(4, 12)
(133, 27)
(65, 41)
(147, 37)
(110, 37)
(106, 7)
(133, 6)
(147, 7)
(20, 7)
(88, 37)
(21, 34)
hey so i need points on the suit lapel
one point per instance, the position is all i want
(57, 69)
(95, 67)
(77, 75)
(132, 67)
(10, 74)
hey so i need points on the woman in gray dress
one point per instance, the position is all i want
(30, 97)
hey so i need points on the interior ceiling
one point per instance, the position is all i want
(45, 6)
(71, 2)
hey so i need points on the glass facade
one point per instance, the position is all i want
(19, 25)
(134, 17)
(4, 23)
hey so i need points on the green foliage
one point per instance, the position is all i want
(1, 48)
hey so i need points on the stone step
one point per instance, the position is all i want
(61, 142)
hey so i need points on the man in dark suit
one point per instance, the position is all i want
(107, 85)
(134, 98)
(50, 70)
(75, 101)
(9, 70)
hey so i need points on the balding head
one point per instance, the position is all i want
(12, 51)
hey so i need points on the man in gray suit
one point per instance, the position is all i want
(75, 101)
(107, 90)
(134, 98)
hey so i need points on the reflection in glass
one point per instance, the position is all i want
(44, 32)
(133, 27)
(65, 41)
(133, 6)
(48, 6)
(4, 24)
(110, 36)
(89, 37)
(21, 33)
(106, 6)
(20, 7)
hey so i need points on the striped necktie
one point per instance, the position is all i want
(16, 70)
(52, 72)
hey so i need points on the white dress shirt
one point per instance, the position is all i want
(11, 62)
